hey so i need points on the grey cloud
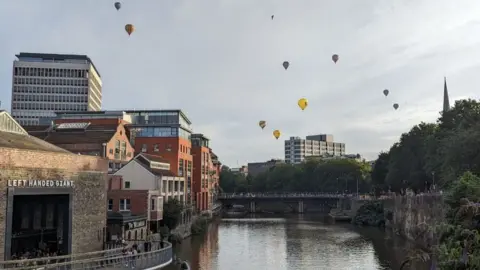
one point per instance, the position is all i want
(220, 61)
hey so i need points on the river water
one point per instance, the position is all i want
(293, 243)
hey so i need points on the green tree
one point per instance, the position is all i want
(379, 172)
(172, 212)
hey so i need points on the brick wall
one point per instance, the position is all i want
(138, 200)
(89, 200)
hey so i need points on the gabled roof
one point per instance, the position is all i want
(12, 135)
(92, 134)
(27, 142)
(144, 161)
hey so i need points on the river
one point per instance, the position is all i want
(293, 243)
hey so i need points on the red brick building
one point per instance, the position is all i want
(127, 214)
(203, 172)
(165, 133)
(96, 137)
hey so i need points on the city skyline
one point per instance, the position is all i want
(221, 63)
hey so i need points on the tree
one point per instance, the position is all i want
(335, 175)
(172, 212)
(379, 172)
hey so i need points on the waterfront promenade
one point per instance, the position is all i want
(156, 258)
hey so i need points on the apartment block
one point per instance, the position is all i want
(297, 149)
(43, 84)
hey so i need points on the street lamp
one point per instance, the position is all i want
(433, 180)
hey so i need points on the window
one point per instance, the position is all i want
(152, 204)
(155, 148)
(180, 167)
(110, 151)
(124, 204)
(110, 204)
(144, 148)
(127, 184)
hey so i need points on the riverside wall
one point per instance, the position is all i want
(415, 217)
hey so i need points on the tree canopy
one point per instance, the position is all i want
(332, 175)
(433, 153)
(445, 154)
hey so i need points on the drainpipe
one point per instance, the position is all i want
(104, 154)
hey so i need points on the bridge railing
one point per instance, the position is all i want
(157, 256)
(283, 195)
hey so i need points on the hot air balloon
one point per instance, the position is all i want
(276, 134)
(262, 124)
(117, 5)
(302, 103)
(335, 58)
(129, 28)
(273, 16)
(395, 106)
(385, 92)
(286, 64)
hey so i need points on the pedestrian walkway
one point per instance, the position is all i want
(157, 256)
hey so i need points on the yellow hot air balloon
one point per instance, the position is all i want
(302, 103)
(129, 28)
(276, 134)
(262, 124)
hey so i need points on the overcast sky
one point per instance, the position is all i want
(220, 61)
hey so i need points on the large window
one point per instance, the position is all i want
(124, 204)
(157, 132)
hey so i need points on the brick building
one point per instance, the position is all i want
(217, 168)
(147, 182)
(203, 172)
(96, 137)
(48, 191)
(129, 210)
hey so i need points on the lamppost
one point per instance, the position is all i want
(433, 180)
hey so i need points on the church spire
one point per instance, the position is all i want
(446, 101)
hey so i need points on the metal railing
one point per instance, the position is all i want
(283, 195)
(157, 256)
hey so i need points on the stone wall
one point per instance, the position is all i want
(415, 217)
(89, 199)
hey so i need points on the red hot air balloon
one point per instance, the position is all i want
(335, 58)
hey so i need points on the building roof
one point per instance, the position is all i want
(12, 135)
(144, 160)
(154, 158)
(27, 142)
(92, 134)
(152, 111)
(200, 136)
(53, 56)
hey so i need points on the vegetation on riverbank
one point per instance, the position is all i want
(334, 175)
(370, 214)
(441, 156)
(199, 225)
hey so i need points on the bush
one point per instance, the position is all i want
(370, 214)
(199, 225)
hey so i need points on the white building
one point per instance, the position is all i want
(149, 172)
(45, 83)
(296, 149)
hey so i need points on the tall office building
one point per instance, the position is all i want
(296, 149)
(47, 83)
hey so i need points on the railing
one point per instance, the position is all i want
(156, 257)
(282, 195)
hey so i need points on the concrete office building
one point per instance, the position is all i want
(47, 83)
(296, 149)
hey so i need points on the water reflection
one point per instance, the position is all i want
(291, 244)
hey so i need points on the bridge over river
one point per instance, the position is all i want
(290, 202)
(157, 258)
